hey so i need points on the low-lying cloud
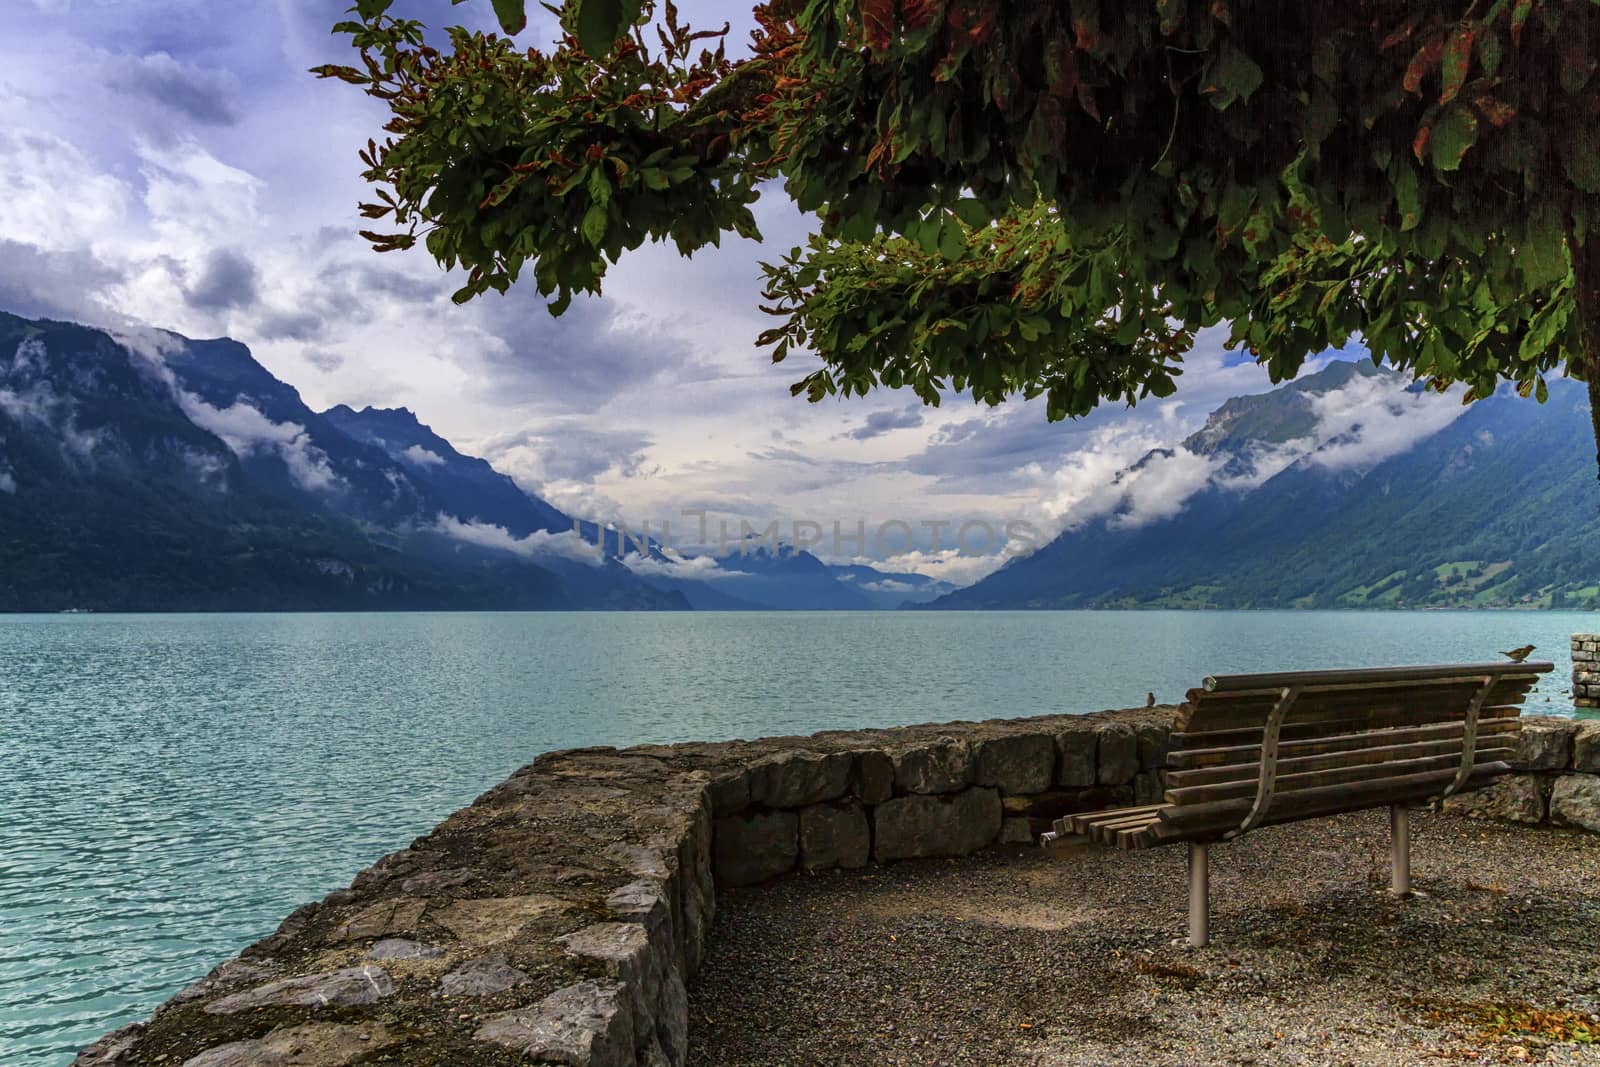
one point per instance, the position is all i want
(246, 431)
(538, 544)
(1128, 477)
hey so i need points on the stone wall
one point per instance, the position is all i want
(558, 918)
(1586, 670)
(1557, 780)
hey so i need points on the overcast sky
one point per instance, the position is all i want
(171, 162)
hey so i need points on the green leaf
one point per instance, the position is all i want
(1457, 60)
(1454, 133)
(1543, 254)
(1408, 196)
(371, 9)
(512, 14)
(1582, 164)
(1234, 76)
(595, 223)
(972, 212)
(952, 240)
(599, 24)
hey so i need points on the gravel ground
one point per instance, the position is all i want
(1072, 955)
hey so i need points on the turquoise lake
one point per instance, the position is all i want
(172, 786)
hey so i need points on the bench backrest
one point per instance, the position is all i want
(1254, 749)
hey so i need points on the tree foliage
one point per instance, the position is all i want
(1052, 197)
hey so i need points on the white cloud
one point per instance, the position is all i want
(1138, 475)
(1372, 419)
(422, 457)
(8, 483)
(540, 543)
(689, 568)
(246, 431)
(946, 565)
(888, 585)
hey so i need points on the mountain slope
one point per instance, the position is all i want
(1495, 508)
(156, 473)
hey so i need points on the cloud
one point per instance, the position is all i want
(689, 568)
(8, 484)
(1136, 476)
(1373, 419)
(947, 565)
(194, 93)
(246, 431)
(540, 543)
(226, 280)
(583, 359)
(881, 422)
(422, 457)
(561, 459)
(38, 283)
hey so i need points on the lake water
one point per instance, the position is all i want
(172, 786)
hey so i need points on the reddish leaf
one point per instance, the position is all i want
(1457, 60)
(1519, 16)
(1419, 144)
(1425, 60)
(1495, 112)
(920, 14)
(877, 18)
(1088, 34)
(1402, 34)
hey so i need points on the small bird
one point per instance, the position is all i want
(1149, 700)
(1519, 654)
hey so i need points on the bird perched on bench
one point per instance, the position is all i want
(1519, 654)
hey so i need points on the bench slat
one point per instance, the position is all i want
(1368, 675)
(1197, 821)
(1184, 741)
(1286, 785)
(1296, 760)
(1403, 707)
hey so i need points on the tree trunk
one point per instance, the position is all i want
(1586, 261)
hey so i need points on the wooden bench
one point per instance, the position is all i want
(1251, 750)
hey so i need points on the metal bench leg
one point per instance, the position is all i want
(1400, 849)
(1199, 896)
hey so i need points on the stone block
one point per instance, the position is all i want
(1511, 798)
(481, 978)
(1058, 802)
(834, 835)
(754, 846)
(323, 1044)
(1076, 749)
(1586, 747)
(350, 986)
(945, 825)
(1148, 786)
(585, 1025)
(1545, 744)
(1016, 763)
(1116, 754)
(1575, 801)
(1016, 830)
(795, 779)
(941, 766)
(730, 793)
(1154, 740)
(874, 777)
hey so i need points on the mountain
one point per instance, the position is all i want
(1342, 489)
(152, 472)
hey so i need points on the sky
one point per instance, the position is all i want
(171, 163)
